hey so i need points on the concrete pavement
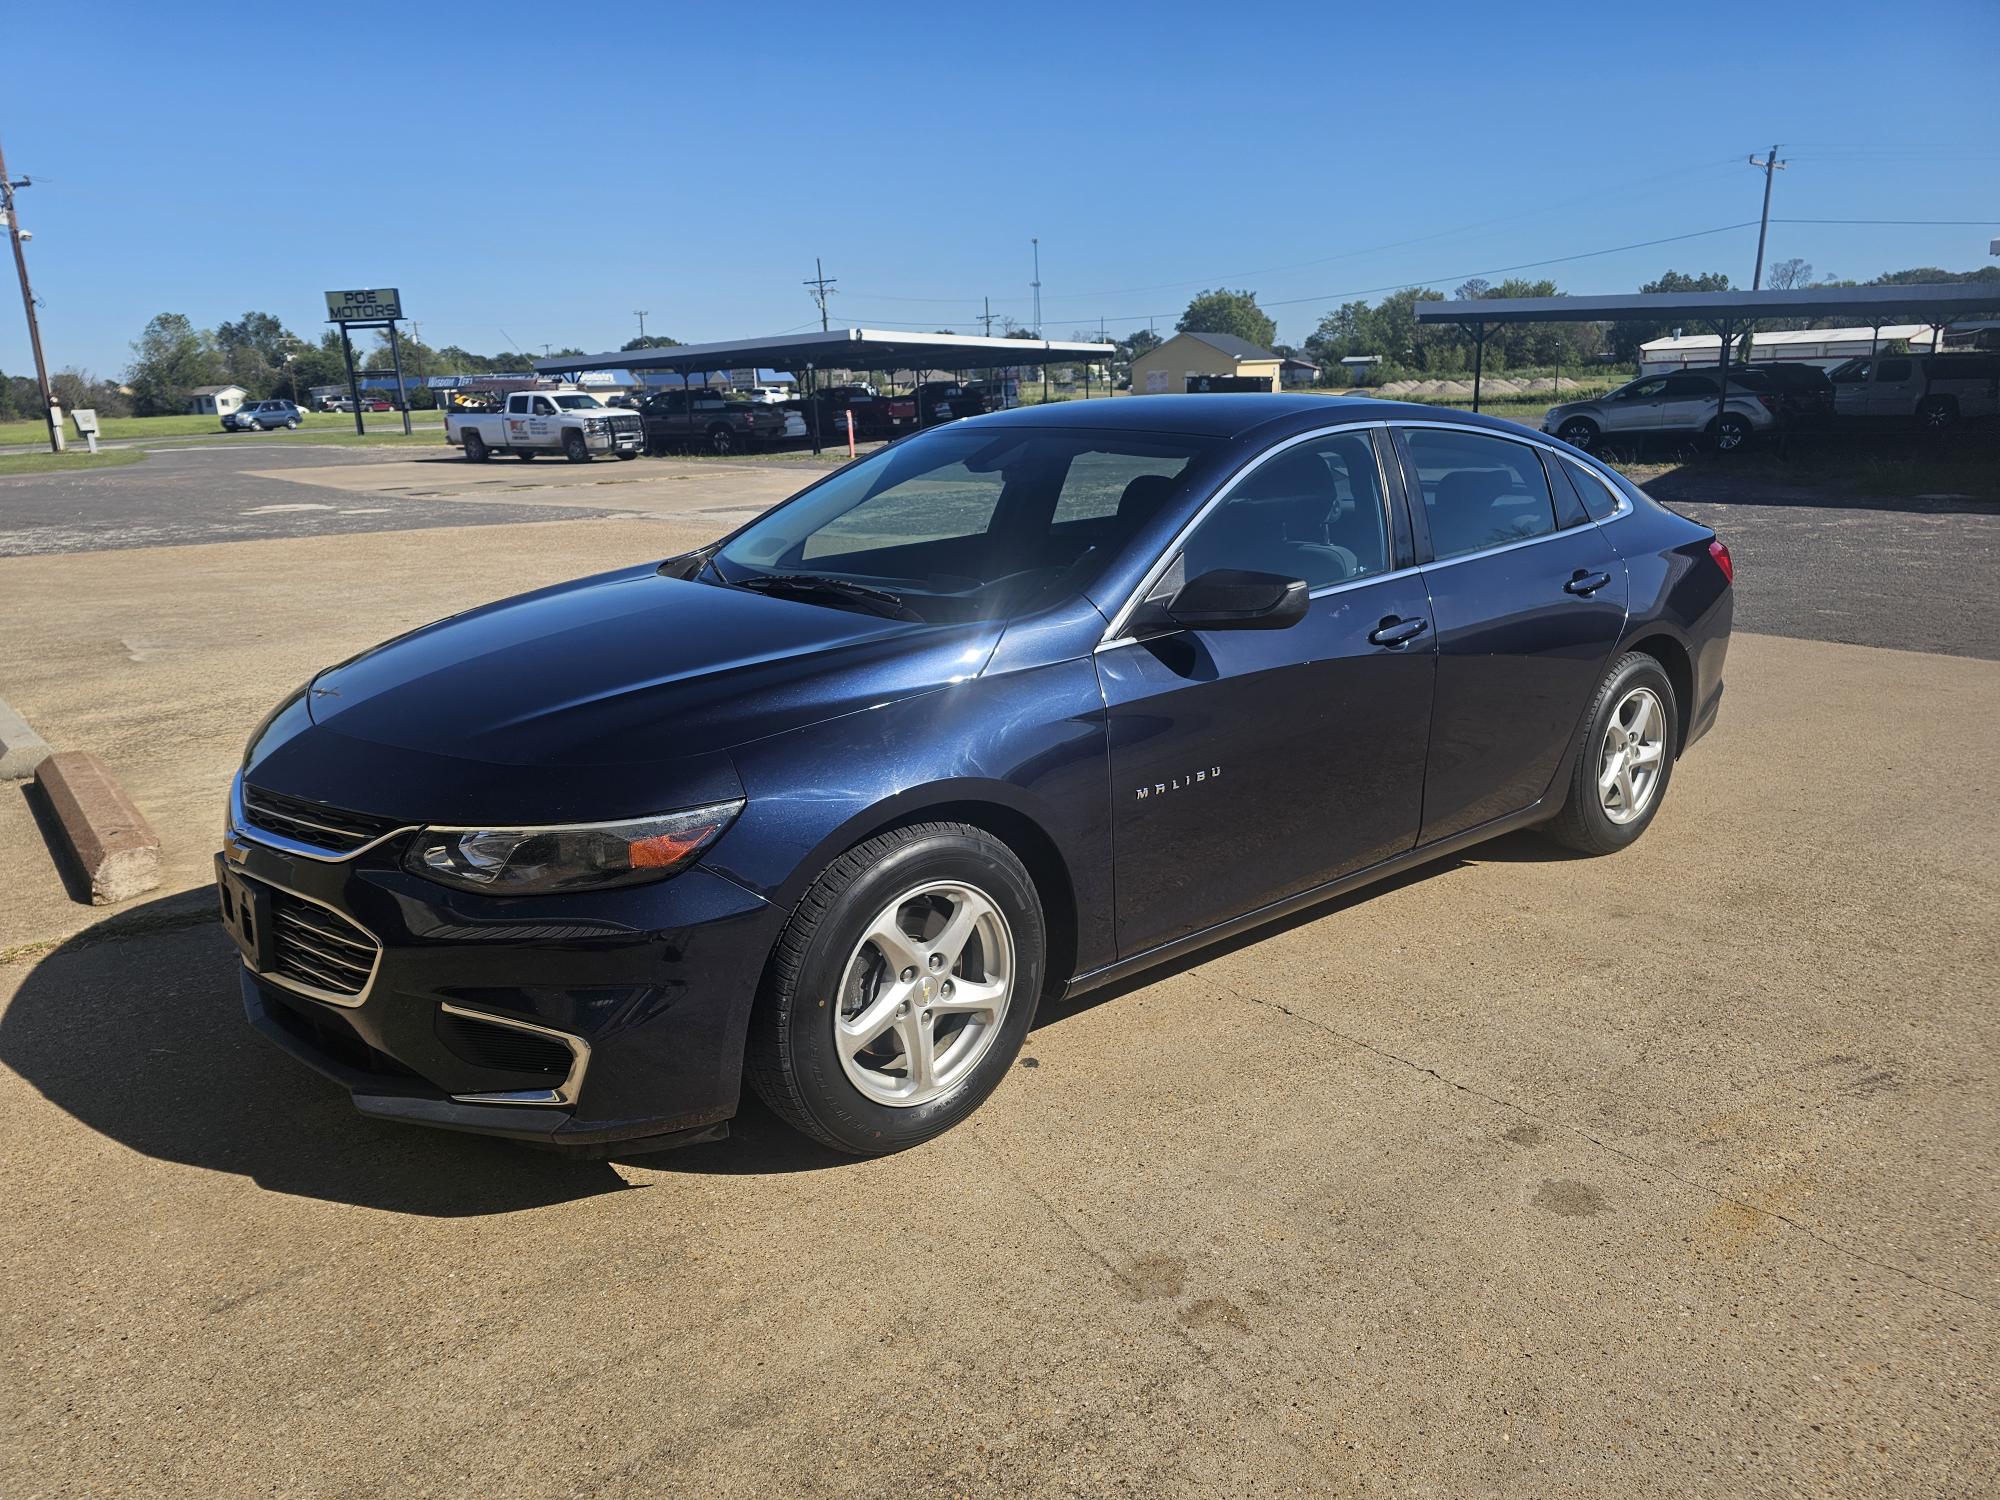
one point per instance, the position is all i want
(1664, 1174)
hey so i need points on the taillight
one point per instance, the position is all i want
(1770, 403)
(1721, 555)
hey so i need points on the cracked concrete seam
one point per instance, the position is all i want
(1630, 1158)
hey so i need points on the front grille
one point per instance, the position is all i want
(318, 948)
(505, 1049)
(329, 828)
(627, 426)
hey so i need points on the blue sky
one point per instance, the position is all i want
(545, 170)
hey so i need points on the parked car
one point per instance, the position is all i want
(333, 403)
(945, 401)
(713, 421)
(768, 395)
(1007, 711)
(1802, 392)
(573, 423)
(1657, 405)
(262, 416)
(1933, 390)
(875, 416)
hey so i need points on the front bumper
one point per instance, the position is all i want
(576, 1021)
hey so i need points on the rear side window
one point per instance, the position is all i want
(1478, 491)
(1689, 385)
(1313, 511)
(1598, 501)
(1893, 369)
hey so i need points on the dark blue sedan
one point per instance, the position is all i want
(1008, 710)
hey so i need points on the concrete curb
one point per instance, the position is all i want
(21, 749)
(114, 845)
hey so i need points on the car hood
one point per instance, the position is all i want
(608, 682)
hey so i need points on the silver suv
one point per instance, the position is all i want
(1683, 402)
(261, 416)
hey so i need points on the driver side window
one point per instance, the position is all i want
(1313, 511)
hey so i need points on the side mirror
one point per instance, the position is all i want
(1237, 599)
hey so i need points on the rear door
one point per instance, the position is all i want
(1686, 403)
(1527, 607)
(1249, 765)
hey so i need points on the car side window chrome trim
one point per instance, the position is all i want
(1114, 634)
(1532, 440)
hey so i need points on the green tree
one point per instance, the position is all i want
(649, 341)
(169, 359)
(1225, 311)
(1392, 328)
(1626, 336)
(1145, 341)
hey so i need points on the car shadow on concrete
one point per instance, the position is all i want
(135, 1028)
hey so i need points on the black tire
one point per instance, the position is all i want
(1937, 413)
(626, 455)
(526, 455)
(1584, 824)
(722, 441)
(476, 450)
(292, 425)
(574, 448)
(1580, 432)
(793, 1062)
(1731, 432)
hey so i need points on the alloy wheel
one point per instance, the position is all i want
(924, 993)
(1630, 760)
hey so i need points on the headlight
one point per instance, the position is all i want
(597, 424)
(572, 857)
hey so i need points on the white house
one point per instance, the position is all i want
(215, 400)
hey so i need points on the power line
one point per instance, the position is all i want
(1954, 223)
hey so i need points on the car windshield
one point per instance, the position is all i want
(578, 403)
(960, 525)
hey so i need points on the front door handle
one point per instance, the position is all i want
(1586, 584)
(1394, 632)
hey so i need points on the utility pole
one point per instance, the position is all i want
(1770, 164)
(14, 235)
(1037, 284)
(819, 283)
(642, 324)
(987, 316)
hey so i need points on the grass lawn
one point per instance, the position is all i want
(336, 437)
(64, 463)
(129, 429)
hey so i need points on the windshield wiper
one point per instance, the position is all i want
(881, 601)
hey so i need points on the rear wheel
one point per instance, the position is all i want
(1627, 759)
(476, 450)
(1937, 413)
(1731, 432)
(574, 448)
(1579, 432)
(900, 992)
(721, 440)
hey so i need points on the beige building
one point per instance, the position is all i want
(1189, 361)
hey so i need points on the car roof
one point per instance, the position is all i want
(1227, 415)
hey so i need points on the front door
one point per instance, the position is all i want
(1636, 407)
(1248, 765)
(1526, 612)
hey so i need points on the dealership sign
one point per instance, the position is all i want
(380, 305)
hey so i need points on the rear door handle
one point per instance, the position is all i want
(1586, 584)
(1394, 632)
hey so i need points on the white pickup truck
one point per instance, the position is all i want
(573, 423)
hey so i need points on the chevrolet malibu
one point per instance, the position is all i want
(1006, 711)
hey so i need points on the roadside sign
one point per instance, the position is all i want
(86, 420)
(377, 305)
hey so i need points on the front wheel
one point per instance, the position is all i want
(901, 991)
(1627, 759)
(626, 455)
(1579, 432)
(574, 448)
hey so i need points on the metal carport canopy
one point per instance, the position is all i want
(838, 349)
(1725, 312)
(1924, 303)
